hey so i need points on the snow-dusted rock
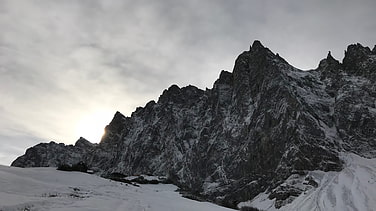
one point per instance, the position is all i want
(54, 154)
(353, 188)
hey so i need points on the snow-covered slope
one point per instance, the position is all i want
(353, 188)
(49, 189)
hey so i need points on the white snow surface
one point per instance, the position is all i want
(352, 189)
(49, 189)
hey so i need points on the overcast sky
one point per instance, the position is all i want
(67, 66)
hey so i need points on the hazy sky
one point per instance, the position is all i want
(67, 66)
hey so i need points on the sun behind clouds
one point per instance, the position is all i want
(91, 126)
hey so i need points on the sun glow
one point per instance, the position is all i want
(91, 126)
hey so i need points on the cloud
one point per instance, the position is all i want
(13, 146)
(62, 60)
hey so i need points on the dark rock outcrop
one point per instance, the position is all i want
(256, 127)
(53, 154)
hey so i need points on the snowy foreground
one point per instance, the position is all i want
(354, 188)
(49, 189)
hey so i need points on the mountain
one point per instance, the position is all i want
(258, 126)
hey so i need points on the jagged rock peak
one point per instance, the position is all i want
(331, 59)
(256, 45)
(188, 88)
(259, 50)
(357, 50)
(172, 90)
(175, 94)
(118, 118)
(116, 125)
(360, 60)
(225, 77)
(118, 114)
(82, 142)
(329, 56)
(256, 63)
(329, 63)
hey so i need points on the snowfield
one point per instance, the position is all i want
(352, 189)
(49, 189)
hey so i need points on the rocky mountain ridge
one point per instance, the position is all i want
(259, 125)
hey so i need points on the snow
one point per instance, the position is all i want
(49, 189)
(330, 132)
(209, 186)
(147, 177)
(354, 188)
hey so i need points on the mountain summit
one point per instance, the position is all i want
(257, 127)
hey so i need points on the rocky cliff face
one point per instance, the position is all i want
(256, 127)
(53, 154)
